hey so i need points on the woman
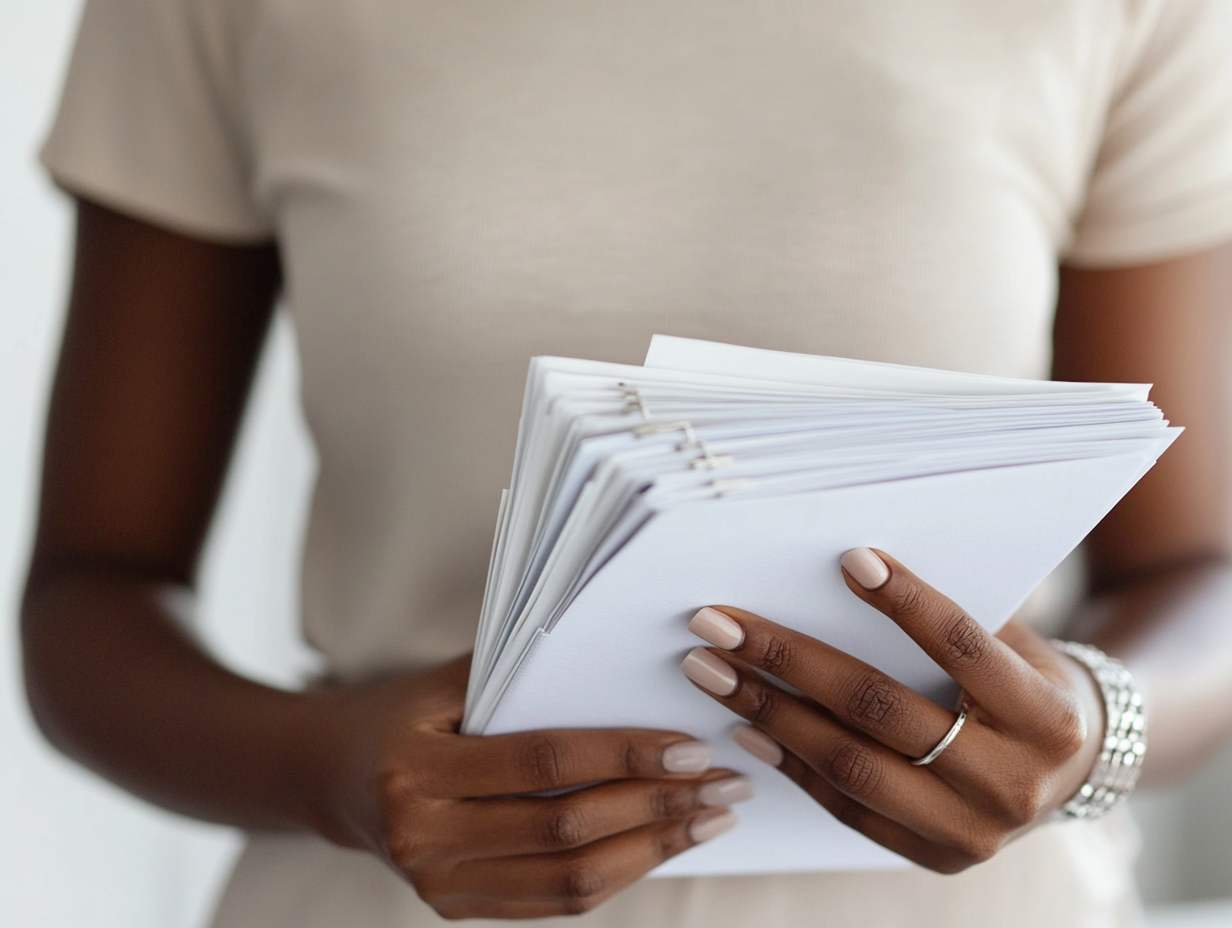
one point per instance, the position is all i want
(441, 191)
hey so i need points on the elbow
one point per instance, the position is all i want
(44, 643)
(85, 639)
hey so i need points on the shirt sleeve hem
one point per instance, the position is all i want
(198, 219)
(1131, 241)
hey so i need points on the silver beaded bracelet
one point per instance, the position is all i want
(1120, 759)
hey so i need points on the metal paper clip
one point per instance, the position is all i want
(656, 428)
(708, 461)
(634, 400)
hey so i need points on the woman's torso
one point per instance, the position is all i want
(458, 187)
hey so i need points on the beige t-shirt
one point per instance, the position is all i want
(457, 186)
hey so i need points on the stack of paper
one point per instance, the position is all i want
(736, 476)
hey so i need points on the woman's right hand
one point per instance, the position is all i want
(448, 811)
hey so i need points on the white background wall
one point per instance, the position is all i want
(73, 850)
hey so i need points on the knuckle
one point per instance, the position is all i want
(565, 826)
(671, 802)
(545, 759)
(447, 909)
(671, 841)
(854, 769)
(1020, 804)
(580, 879)
(1066, 732)
(965, 643)
(874, 701)
(579, 906)
(908, 601)
(764, 704)
(395, 785)
(778, 655)
(980, 851)
(406, 851)
(402, 819)
(974, 846)
(948, 864)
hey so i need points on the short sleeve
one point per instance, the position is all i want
(150, 120)
(1162, 180)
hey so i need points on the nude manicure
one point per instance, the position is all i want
(759, 744)
(866, 568)
(726, 792)
(709, 825)
(720, 630)
(687, 757)
(710, 672)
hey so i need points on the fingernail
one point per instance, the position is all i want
(709, 672)
(726, 792)
(687, 757)
(709, 825)
(759, 744)
(720, 630)
(866, 568)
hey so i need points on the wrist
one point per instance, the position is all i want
(325, 764)
(1090, 705)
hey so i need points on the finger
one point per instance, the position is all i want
(957, 847)
(441, 693)
(857, 693)
(508, 827)
(989, 670)
(541, 761)
(578, 880)
(853, 763)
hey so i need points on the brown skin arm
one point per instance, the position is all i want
(162, 338)
(1160, 573)
(150, 389)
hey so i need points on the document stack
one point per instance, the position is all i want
(734, 476)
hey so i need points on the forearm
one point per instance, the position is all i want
(116, 683)
(1174, 630)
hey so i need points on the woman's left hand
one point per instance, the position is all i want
(1033, 730)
